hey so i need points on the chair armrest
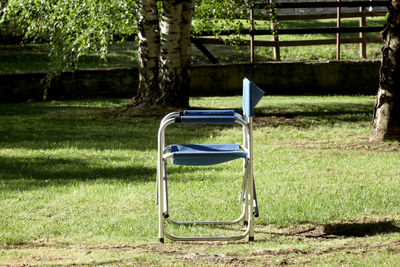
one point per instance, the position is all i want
(207, 113)
(205, 119)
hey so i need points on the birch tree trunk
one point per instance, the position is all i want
(164, 52)
(386, 116)
(148, 52)
(171, 82)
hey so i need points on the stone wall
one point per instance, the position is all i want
(298, 78)
(115, 82)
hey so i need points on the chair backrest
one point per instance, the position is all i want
(251, 96)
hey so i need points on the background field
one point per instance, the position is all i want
(77, 185)
(33, 57)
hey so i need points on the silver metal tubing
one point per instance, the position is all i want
(244, 183)
(247, 192)
(160, 175)
(243, 123)
(169, 116)
(210, 222)
(238, 116)
(168, 155)
(211, 238)
(244, 149)
(165, 188)
(250, 185)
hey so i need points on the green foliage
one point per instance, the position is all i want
(219, 15)
(216, 16)
(72, 27)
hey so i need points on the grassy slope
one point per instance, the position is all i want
(77, 185)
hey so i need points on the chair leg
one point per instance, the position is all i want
(255, 202)
(165, 187)
(160, 202)
(247, 196)
(244, 191)
(250, 201)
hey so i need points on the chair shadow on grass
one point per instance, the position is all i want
(360, 229)
(339, 230)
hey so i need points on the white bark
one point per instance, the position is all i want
(380, 124)
(170, 60)
(164, 52)
(148, 51)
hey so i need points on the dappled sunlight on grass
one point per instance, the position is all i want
(82, 174)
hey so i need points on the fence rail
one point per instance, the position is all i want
(275, 32)
(319, 4)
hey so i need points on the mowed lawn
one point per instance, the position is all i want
(77, 185)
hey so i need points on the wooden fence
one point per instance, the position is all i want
(275, 32)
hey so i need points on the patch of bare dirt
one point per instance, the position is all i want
(195, 253)
(209, 258)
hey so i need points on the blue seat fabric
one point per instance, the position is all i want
(208, 113)
(201, 155)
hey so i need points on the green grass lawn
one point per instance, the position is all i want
(33, 57)
(316, 52)
(77, 185)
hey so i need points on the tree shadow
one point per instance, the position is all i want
(306, 115)
(40, 126)
(28, 173)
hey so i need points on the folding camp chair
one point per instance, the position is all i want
(205, 154)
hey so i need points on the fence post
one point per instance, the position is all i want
(274, 28)
(338, 34)
(251, 35)
(363, 44)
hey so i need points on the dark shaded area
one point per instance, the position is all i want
(27, 173)
(360, 229)
(306, 115)
(275, 78)
(338, 230)
(314, 110)
(43, 126)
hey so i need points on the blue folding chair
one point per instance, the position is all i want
(205, 154)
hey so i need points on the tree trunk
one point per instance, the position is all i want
(386, 116)
(148, 52)
(164, 52)
(171, 82)
(186, 29)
